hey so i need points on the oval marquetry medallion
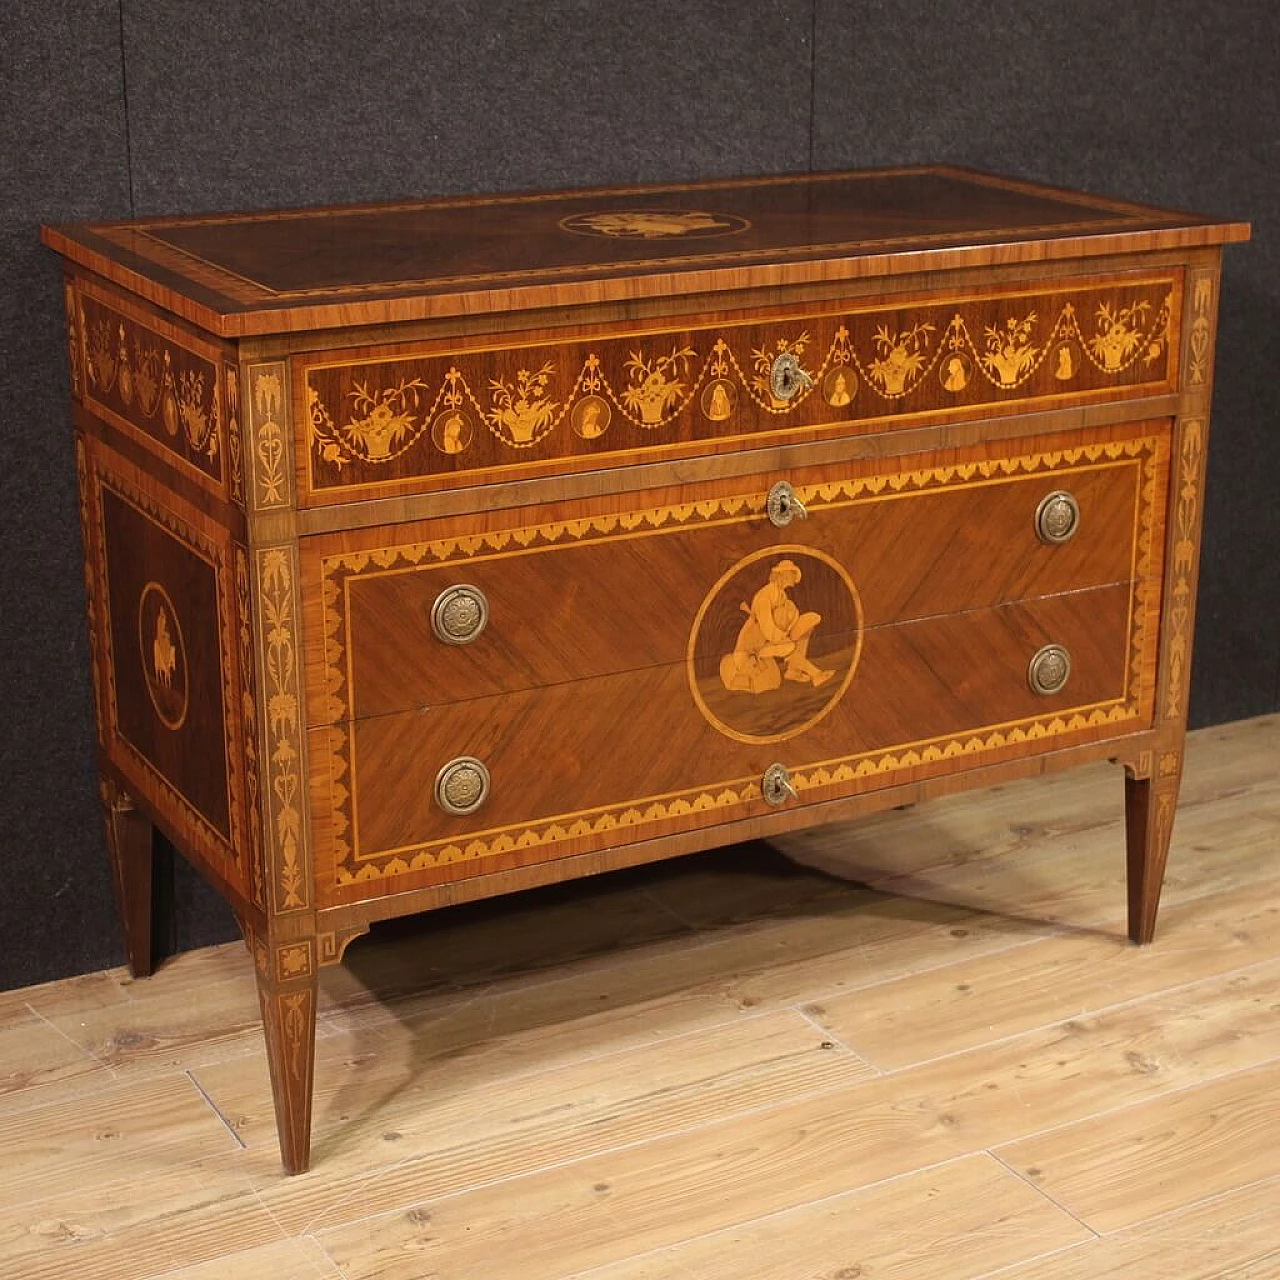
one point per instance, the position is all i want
(654, 224)
(164, 655)
(774, 644)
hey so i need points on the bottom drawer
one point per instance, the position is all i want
(584, 765)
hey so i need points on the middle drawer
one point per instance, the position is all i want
(606, 586)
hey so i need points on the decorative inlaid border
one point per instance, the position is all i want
(1182, 570)
(270, 462)
(94, 600)
(155, 384)
(1200, 338)
(275, 580)
(334, 942)
(1136, 703)
(235, 437)
(75, 351)
(998, 348)
(250, 734)
(123, 480)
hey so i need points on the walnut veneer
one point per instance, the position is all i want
(440, 549)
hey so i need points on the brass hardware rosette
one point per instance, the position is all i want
(462, 786)
(459, 614)
(1057, 517)
(1049, 670)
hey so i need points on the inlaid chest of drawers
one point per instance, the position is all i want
(435, 550)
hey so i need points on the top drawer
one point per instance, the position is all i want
(393, 420)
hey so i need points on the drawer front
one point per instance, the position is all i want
(589, 764)
(398, 420)
(599, 592)
(786, 646)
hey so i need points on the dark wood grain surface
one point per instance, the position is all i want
(280, 270)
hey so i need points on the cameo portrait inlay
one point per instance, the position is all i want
(775, 643)
(590, 418)
(451, 431)
(718, 399)
(955, 371)
(840, 386)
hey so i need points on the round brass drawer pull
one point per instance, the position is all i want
(787, 379)
(776, 785)
(1057, 517)
(462, 786)
(459, 614)
(1049, 670)
(782, 506)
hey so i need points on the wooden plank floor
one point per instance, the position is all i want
(946, 1063)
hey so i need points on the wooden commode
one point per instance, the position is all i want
(435, 550)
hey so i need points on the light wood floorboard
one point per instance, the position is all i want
(918, 1046)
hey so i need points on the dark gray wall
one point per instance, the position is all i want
(138, 106)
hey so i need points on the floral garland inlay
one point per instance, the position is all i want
(150, 378)
(377, 424)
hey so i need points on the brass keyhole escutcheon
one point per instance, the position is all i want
(462, 786)
(1049, 670)
(782, 506)
(776, 785)
(459, 614)
(787, 379)
(1057, 517)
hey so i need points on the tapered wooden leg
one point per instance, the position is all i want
(289, 1020)
(1149, 808)
(131, 843)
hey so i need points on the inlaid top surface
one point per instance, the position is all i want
(292, 269)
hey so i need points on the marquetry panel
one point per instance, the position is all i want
(268, 463)
(605, 588)
(283, 758)
(171, 709)
(235, 434)
(619, 758)
(1204, 310)
(251, 735)
(370, 423)
(75, 349)
(1184, 564)
(669, 713)
(93, 588)
(159, 384)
